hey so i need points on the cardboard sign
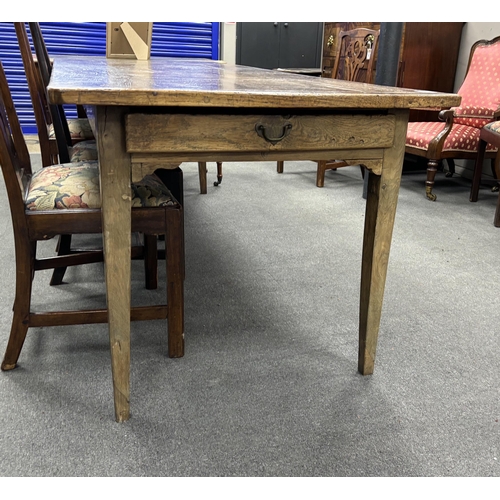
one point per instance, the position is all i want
(129, 40)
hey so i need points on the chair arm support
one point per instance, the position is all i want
(436, 145)
(446, 115)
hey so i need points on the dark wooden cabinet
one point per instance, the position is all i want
(427, 59)
(279, 45)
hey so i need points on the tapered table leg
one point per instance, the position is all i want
(381, 205)
(115, 175)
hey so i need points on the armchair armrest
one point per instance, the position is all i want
(436, 145)
(447, 115)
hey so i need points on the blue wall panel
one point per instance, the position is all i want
(199, 40)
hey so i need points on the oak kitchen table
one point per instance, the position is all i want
(168, 110)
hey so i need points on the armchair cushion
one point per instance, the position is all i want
(76, 185)
(461, 137)
(472, 116)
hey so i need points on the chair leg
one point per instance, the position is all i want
(202, 172)
(432, 166)
(151, 261)
(478, 169)
(279, 167)
(174, 250)
(495, 168)
(451, 167)
(25, 258)
(219, 174)
(496, 220)
(324, 165)
(320, 174)
(63, 248)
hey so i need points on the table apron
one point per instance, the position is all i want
(218, 133)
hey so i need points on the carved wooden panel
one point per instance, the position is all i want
(355, 58)
(330, 40)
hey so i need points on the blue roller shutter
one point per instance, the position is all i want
(200, 40)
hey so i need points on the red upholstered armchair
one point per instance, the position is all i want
(490, 134)
(458, 137)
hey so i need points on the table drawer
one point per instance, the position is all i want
(182, 133)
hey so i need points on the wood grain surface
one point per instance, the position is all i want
(205, 83)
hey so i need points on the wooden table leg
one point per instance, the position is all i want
(381, 205)
(115, 175)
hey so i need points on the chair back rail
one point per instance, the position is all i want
(38, 95)
(14, 155)
(41, 52)
(355, 56)
(61, 128)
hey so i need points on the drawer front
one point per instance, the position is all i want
(183, 133)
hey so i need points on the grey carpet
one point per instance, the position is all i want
(269, 385)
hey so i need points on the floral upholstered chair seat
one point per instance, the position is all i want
(83, 151)
(79, 130)
(76, 185)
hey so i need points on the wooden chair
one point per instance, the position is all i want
(52, 201)
(490, 134)
(58, 145)
(458, 138)
(61, 140)
(354, 62)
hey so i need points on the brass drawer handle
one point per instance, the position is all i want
(261, 132)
